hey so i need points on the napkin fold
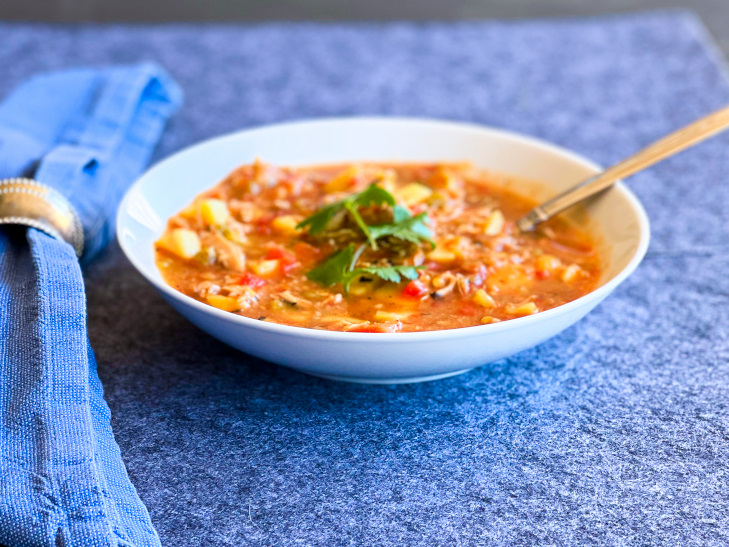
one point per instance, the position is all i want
(87, 133)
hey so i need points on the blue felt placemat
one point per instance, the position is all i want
(616, 432)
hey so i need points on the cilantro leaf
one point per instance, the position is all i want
(394, 274)
(352, 208)
(339, 268)
(405, 227)
(320, 220)
(373, 195)
(400, 213)
(335, 268)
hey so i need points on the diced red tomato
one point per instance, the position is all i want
(287, 258)
(542, 274)
(279, 253)
(418, 208)
(416, 289)
(251, 280)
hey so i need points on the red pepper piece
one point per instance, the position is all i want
(287, 258)
(416, 289)
(251, 280)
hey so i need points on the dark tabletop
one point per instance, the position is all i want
(615, 432)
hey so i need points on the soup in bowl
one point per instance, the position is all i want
(377, 250)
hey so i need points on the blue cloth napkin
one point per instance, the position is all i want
(88, 133)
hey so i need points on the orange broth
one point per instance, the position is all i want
(240, 247)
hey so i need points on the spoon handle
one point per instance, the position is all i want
(667, 146)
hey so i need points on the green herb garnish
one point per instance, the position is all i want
(373, 195)
(403, 226)
(340, 268)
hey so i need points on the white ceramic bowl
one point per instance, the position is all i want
(617, 220)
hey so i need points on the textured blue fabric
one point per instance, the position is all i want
(613, 433)
(86, 132)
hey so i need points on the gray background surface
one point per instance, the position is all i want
(715, 13)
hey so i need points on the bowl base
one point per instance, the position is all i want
(381, 381)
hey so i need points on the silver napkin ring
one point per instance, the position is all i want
(30, 203)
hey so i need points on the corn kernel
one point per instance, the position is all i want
(494, 224)
(225, 303)
(182, 242)
(483, 299)
(528, 308)
(343, 181)
(214, 212)
(413, 194)
(285, 224)
(441, 256)
(264, 268)
(386, 316)
(571, 272)
(487, 320)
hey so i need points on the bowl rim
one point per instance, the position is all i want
(390, 337)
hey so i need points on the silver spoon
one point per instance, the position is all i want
(668, 146)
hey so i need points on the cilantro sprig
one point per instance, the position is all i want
(373, 195)
(340, 268)
(404, 226)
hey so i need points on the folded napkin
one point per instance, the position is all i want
(87, 133)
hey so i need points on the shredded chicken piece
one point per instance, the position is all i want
(205, 288)
(245, 296)
(443, 279)
(265, 173)
(446, 289)
(228, 253)
(463, 284)
(236, 231)
(245, 211)
(451, 212)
